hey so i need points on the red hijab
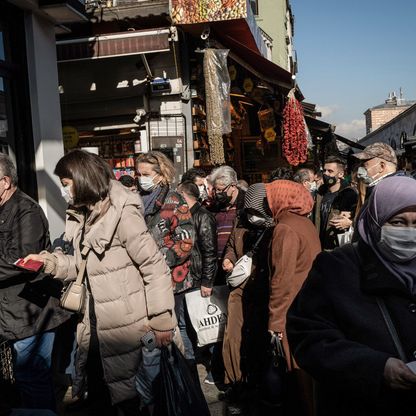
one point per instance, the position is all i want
(288, 196)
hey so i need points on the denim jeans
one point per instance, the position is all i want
(32, 370)
(185, 326)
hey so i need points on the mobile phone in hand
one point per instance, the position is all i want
(149, 340)
(30, 265)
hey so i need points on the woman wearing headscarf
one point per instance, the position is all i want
(295, 244)
(245, 337)
(352, 326)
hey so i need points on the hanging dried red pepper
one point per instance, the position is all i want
(295, 140)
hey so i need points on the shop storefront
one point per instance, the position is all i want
(121, 94)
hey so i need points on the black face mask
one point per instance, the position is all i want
(222, 199)
(329, 180)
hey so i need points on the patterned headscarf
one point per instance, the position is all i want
(256, 199)
(389, 197)
(288, 196)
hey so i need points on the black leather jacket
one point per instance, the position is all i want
(29, 302)
(204, 252)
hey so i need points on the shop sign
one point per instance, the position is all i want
(270, 135)
(200, 11)
(233, 72)
(248, 85)
(70, 136)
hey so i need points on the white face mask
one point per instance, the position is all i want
(67, 194)
(256, 220)
(313, 187)
(398, 244)
(146, 183)
(203, 194)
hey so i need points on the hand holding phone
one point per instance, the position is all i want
(149, 340)
(29, 265)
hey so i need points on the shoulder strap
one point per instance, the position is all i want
(81, 271)
(256, 244)
(392, 329)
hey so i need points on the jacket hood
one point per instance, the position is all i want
(101, 232)
(288, 196)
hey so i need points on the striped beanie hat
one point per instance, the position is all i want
(256, 200)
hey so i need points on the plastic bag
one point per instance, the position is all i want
(218, 103)
(177, 394)
(208, 315)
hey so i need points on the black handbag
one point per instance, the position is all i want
(274, 382)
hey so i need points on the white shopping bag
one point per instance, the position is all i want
(208, 315)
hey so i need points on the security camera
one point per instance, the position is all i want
(136, 119)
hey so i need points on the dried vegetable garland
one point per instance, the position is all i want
(295, 140)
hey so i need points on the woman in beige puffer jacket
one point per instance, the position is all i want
(128, 282)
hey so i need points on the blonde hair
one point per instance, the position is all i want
(161, 164)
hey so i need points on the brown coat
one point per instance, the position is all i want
(295, 244)
(130, 284)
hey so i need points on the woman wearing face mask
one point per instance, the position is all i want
(245, 337)
(295, 244)
(167, 215)
(338, 324)
(127, 282)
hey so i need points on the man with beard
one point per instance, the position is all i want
(335, 200)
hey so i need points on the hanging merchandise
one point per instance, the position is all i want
(295, 141)
(217, 91)
(266, 119)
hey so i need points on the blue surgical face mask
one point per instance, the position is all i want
(397, 244)
(146, 183)
(67, 194)
(362, 173)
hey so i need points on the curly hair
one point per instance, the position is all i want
(161, 164)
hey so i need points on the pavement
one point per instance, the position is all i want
(211, 392)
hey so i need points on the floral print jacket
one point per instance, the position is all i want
(170, 224)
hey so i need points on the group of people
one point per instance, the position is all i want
(333, 279)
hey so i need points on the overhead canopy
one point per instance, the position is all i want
(257, 64)
(319, 126)
(114, 44)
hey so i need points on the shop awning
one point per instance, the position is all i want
(261, 67)
(318, 126)
(114, 44)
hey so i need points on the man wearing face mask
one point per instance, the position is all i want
(228, 204)
(335, 199)
(29, 310)
(379, 161)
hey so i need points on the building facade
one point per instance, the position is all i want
(275, 18)
(30, 118)
(376, 117)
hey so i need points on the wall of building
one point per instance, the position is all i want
(390, 133)
(272, 19)
(46, 117)
(380, 116)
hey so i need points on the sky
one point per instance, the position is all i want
(351, 54)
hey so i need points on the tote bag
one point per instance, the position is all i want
(208, 315)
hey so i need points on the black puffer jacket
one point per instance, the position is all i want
(204, 252)
(29, 302)
(337, 333)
